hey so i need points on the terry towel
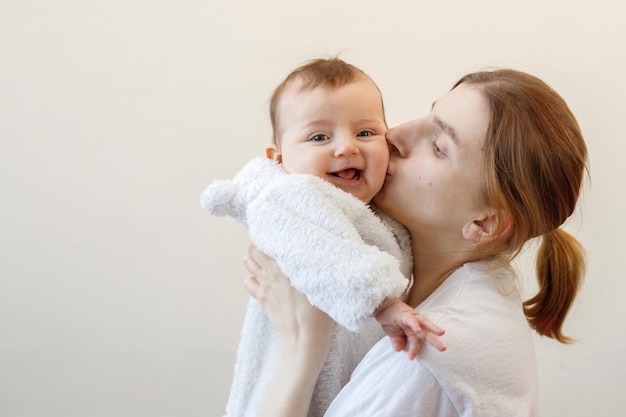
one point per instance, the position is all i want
(334, 248)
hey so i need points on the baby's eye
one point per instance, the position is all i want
(319, 137)
(364, 133)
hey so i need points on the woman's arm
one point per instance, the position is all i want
(304, 336)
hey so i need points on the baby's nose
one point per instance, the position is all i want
(346, 146)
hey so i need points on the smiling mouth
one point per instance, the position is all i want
(348, 174)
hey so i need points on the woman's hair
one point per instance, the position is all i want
(535, 162)
(328, 73)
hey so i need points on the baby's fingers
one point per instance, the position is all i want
(398, 342)
(435, 342)
(430, 327)
(415, 345)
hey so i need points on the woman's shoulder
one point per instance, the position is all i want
(387, 383)
(481, 311)
(459, 381)
(489, 368)
(490, 362)
(476, 289)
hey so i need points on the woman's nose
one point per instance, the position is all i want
(346, 146)
(401, 138)
(396, 140)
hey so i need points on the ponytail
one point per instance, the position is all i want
(560, 269)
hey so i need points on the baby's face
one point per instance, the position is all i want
(337, 135)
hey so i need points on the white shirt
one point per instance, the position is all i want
(489, 368)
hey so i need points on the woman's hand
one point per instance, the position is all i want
(304, 334)
(291, 314)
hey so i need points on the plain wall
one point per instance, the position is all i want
(120, 297)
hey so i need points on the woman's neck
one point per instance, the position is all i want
(432, 266)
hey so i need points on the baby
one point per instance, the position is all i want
(307, 206)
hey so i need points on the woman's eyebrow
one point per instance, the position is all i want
(449, 130)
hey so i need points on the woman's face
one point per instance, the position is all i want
(435, 177)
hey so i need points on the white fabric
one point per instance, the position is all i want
(489, 369)
(333, 247)
(335, 250)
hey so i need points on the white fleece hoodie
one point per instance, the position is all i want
(345, 257)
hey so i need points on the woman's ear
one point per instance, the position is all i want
(486, 227)
(272, 152)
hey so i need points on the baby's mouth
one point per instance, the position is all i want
(348, 174)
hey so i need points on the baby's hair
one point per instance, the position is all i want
(328, 73)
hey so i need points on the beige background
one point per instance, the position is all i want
(120, 297)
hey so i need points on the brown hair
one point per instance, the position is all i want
(535, 161)
(328, 73)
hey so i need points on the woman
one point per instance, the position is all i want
(498, 161)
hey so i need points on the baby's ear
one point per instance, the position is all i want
(272, 152)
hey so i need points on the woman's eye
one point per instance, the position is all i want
(319, 138)
(437, 149)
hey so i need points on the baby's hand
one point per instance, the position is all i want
(405, 326)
